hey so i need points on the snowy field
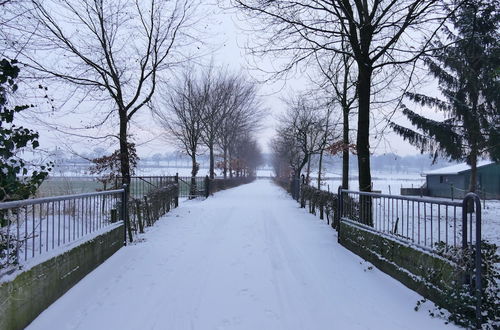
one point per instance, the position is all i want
(247, 258)
(386, 182)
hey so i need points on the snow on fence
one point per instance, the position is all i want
(33, 227)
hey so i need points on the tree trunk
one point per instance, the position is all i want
(225, 163)
(473, 172)
(194, 166)
(363, 142)
(308, 171)
(124, 151)
(363, 137)
(319, 169)
(211, 151)
(345, 152)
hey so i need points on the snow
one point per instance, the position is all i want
(247, 258)
(455, 169)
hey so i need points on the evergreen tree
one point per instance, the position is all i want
(467, 71)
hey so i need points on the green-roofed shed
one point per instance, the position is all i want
(441, 182)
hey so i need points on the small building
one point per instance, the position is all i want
(453, 181)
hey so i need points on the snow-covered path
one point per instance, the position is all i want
(247, 258)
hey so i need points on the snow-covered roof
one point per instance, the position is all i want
(455, 169)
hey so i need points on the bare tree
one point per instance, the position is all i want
(329, 134)
(338, 73)
(302, 127)
(243, 115)
(248, 155)
(181, 116)
(230, 101)
(381, 34)
(214, 110)
(111, 52)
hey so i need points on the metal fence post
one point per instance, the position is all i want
(472, 199)
(124, 214)
(207, 186)
(465, 209)
(479, 283)
(339, 208)
(176, 198)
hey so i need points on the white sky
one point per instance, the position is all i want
(228, 41)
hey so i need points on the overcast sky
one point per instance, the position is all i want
(229, 37)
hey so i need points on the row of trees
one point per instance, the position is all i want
(104, 58)
(366, 54)
(106, 61)
(306, 129)
(216, 111)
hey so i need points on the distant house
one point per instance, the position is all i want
(441, 182)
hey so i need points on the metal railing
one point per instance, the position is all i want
(440, 226)
(142, 185)
(189, 187)
(450, 229)
(192, 187)
(33, 227)
(426, 222)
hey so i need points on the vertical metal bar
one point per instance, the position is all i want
(447, 227)
(17, 236)
(33, 231)
(58, 223)
(41, 229)
(432, 220)
(82, 216)
(418, 222)
(439, 222)
(73, 211)
(470, 228)
(26, 232)
(479, 285)
(413, 221)
(124, 213)
(53, 224)
(8, 216)
(64, 223)
(425, 224)
(94, 200)
(47, 229)
(408, 218)
(464, 223)
(454, 226)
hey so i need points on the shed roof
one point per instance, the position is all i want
(455, 169)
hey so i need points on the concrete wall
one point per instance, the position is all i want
(31, 292)
(419, 270)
